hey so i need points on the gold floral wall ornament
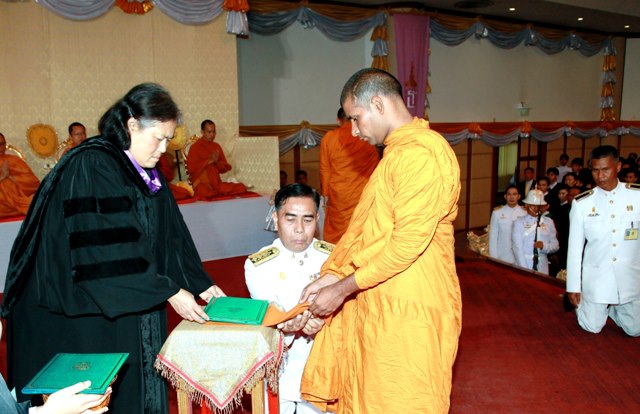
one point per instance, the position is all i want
(135, 6)
(179, 140)
(42, 139)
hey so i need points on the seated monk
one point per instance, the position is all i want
(17, 183)
(166, 166)
(205, 163)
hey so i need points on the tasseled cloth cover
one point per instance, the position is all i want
(218, 363)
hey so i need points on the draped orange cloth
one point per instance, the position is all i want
(391, 348)
(17, 190)
(346, 163)
(166, 168)
(205, 174)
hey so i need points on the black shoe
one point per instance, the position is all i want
(566, 303)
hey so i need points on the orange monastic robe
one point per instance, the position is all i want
(17, 190)
(392, 347)
(166, 168)
(346, 163)
(205, 176)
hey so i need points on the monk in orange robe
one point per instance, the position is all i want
(390, 348)
(345, 166)
(166, 165)
(205, 163)
(17, 183)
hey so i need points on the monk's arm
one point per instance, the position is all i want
(222, 165)
(415, 190)
(197, 160)
(4, 171)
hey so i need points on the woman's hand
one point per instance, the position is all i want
(213, 292)
(186, 306)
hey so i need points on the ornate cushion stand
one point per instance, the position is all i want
(215, 364)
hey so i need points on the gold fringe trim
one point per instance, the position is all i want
(268, 371)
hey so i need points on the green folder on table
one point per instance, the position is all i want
(68, 369)
(237, 310)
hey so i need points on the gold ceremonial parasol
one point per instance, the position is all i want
(179, 139)
(42, 139)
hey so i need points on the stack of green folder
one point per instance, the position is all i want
(237, 310)
(65, 370)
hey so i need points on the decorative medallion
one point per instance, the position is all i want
(43, 140)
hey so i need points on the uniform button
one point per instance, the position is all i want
(614, 259)
(613, 216)
(610, 201)
(614, 230)
(614, 245)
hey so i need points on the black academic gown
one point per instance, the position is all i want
(95, 261)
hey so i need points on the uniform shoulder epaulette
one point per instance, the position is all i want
(633, 186)
(264, 256)
(582, 195)
(323, 246)
(497, 208)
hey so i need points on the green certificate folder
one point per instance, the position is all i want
(68, 369)
(237, 310)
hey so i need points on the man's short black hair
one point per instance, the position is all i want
(73, 125)
(577, 161)
(604, 151)
(553, 170)
(296, 190)
(564, 157)
(529, 169)
(544, 179)
(204, 123)
(510, 186)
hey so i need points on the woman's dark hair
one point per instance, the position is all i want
(296, 190)
(147, 102)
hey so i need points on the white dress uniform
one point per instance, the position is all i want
(500, 227)
(562, 171)
(523, 236)
(279, 275)
(609, 271)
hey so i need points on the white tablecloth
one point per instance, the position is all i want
(220, 229)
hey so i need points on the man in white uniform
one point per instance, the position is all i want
(279, 272)
(603, 276)
(501, 224)
(534, 235)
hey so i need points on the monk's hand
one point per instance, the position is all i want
(295, 324)
(213, 292)
(313, 326)
(330, 297)
(312, 289)
(215, 156)
(574, 298)
(68, 401)
(4, 171)
(186, 306)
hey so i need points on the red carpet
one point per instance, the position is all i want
(521, 353)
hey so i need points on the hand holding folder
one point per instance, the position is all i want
(232, 310)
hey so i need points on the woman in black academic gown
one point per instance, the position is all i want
(101, 251)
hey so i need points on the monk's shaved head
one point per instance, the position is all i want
(370, 82)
